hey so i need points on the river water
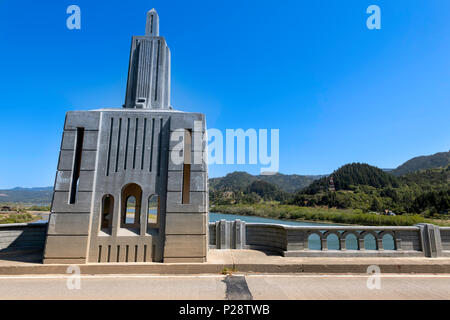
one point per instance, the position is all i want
(251, 219)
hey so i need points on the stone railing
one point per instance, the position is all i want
(422, 240)
(444, 235)
(21, 238)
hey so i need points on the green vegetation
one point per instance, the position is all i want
(437, 160)
(255, 192)
(27, 195)
(356, 193)
(16, 218)
(340, 216)
(227, 271)
(240, 180)
(360, 186)
(352, 175)
(356, 186)
(38, 208)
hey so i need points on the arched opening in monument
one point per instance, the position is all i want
(153, 211)
(314, 242)
(388, 242)
(333, 242)
(370, 242)
(131, 210)
(107, 213)
(131, 207)
(351, 242)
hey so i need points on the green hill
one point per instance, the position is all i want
(353, 174)
(42, 195)
(437, 160)
(239, 180)
(360, 186)
(428, 179)
(267, 191)
(290, 182)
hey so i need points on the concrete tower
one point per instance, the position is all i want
(146, 159)
(148, 84)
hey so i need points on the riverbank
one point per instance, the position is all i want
(323, 215)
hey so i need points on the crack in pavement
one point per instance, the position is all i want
(237, 288)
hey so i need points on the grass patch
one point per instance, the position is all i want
(340, 216)
(227, 271)
(38, 208)
(16, 218)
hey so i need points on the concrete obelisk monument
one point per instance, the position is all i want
(131, 183)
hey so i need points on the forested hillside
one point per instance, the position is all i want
(437, 160)
(239, 180)
(360, 186)
(41, 195)
(352, 175)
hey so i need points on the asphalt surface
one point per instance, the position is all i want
(234, 287)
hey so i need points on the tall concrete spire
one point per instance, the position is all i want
(148, 85)
(152, 25)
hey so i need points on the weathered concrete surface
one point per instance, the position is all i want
(245, 261)
(114, 287)
(349, 287)
(316, 287)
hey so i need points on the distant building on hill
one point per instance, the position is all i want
(331, 184)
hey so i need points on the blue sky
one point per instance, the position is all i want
(337, 91)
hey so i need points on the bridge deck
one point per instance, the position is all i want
(245, 261)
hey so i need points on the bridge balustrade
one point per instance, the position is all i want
(332, 241)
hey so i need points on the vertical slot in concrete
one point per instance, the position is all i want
(118, 144)
(126, 145)
(135, 142)
(187, 167)
(76, 165)
(99, 254)
(109, 147)
(144, 133)
(158, 167)
(157, 71)
(151, 146)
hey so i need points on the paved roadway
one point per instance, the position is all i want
(226, 287)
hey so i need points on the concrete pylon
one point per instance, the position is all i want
(132, 183)
(152, 24)
(148, 85)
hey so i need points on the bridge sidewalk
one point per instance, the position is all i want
(243, 261)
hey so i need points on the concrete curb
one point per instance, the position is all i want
(200, 268)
